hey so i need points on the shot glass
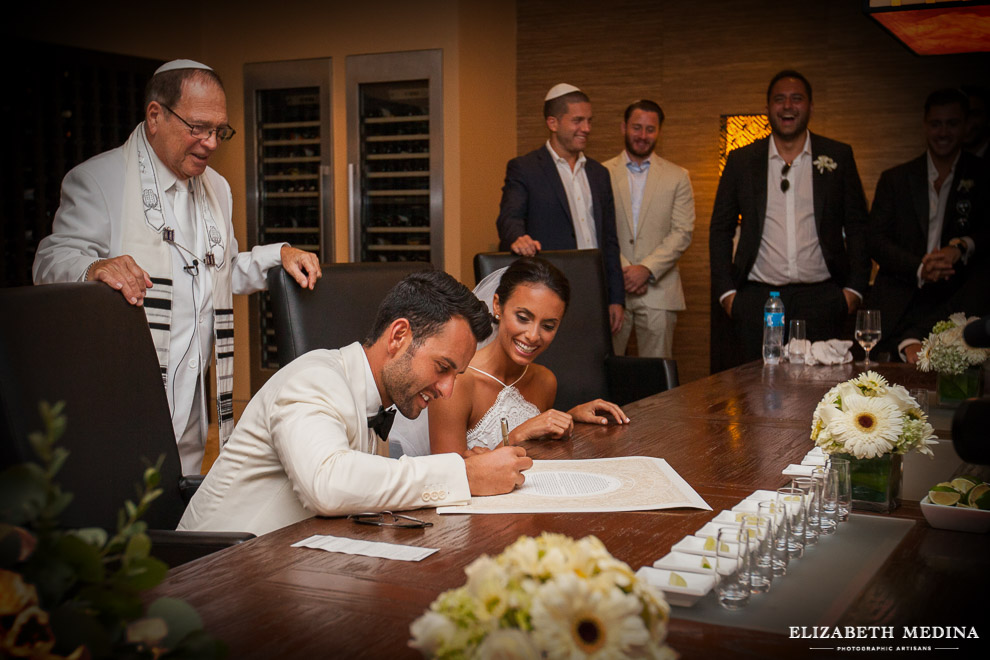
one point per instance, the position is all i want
(797, 344)
(828, 509)
(779, 559)
(843, 486)
(791, 502)
(732, 567)
(813, 508)
(760, 552)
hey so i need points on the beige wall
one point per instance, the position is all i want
(700, 60)
(477, 38)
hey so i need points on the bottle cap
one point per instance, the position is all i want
(775, 294)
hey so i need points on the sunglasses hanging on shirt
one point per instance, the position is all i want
(784, 183)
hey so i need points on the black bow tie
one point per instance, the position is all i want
(382, 422)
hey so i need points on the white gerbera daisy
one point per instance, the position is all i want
(507, 644)
(870, 383)
(571, 619)
(866, 427)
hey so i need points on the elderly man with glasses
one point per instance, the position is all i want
(798, 203)
(152, 221)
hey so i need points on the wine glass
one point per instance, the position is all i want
(868, 330)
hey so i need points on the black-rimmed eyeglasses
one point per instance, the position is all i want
(784, 183)
(388, 519)
(200, 132)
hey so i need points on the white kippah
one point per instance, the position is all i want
(181, 64)
(559, 90)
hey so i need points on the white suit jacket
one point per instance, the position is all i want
(666, 222)
(89, 226)
(301, 449)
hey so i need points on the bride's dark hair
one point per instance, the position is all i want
(533, 270)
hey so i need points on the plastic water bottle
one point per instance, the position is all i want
(773, 329)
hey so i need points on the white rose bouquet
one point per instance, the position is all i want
(868, 417)
(945, 350)
(548, 597)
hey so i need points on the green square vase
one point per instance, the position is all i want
(876, 482)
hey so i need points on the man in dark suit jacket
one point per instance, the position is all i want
(538, 212)
(803, 237)
(929, 223)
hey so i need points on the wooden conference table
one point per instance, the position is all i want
(727, 435)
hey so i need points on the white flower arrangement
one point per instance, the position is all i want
(823, 163)
(548, 597)
(869, 417)
(945, 350)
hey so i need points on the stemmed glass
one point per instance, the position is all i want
(868, 331)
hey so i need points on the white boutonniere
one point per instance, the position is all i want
(965, 185)
(824, 163)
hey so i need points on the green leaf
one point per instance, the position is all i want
(152, 477)
(59, 454)
(84, 558)
(131, 508)
(141, 574)
(138, 547)
(57, 502)
(112, 603)
(23, 490)
(95, 536)
(182, 619)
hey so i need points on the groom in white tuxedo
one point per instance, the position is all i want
(303, 446)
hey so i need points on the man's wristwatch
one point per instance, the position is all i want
(960, 245)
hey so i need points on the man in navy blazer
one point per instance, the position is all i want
(555, 198)
(929, 224)
(798, 202)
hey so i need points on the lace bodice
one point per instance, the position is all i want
(509, 403)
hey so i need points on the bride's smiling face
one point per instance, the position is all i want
(528, 321)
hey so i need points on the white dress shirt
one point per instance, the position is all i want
(789, 249)
(637, 173)
(578, 192)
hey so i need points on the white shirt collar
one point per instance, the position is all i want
(933, 171)
(633, 165)
(804, 150)
(559, 160)
(373, 400)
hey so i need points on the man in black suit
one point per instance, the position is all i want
(798, 202)
(929, 223)
(555, 198)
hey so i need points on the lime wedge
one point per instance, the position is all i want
(983, 502)
(710, 544)
(964, 484)
(724, 547)
(944, 495)
(704, 563)
(677, 580)
(975, 493)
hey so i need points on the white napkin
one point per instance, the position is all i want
(366, 548)
(793, 470)
(832, 351)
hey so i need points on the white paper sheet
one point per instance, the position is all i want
(631, 483)
(365, 548)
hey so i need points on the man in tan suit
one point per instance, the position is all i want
(654, 218)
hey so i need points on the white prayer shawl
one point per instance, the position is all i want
(149, 242)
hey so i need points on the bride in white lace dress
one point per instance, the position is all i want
(502, 381)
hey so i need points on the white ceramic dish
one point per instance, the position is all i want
(697, 585)
(747, 506)
(684, 562)
(958, 519)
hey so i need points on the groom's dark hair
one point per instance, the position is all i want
(428, 300)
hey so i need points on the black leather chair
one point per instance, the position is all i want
(338, 311)
(581, 355)
(83, 344)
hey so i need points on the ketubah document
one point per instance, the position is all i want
(631, 483)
